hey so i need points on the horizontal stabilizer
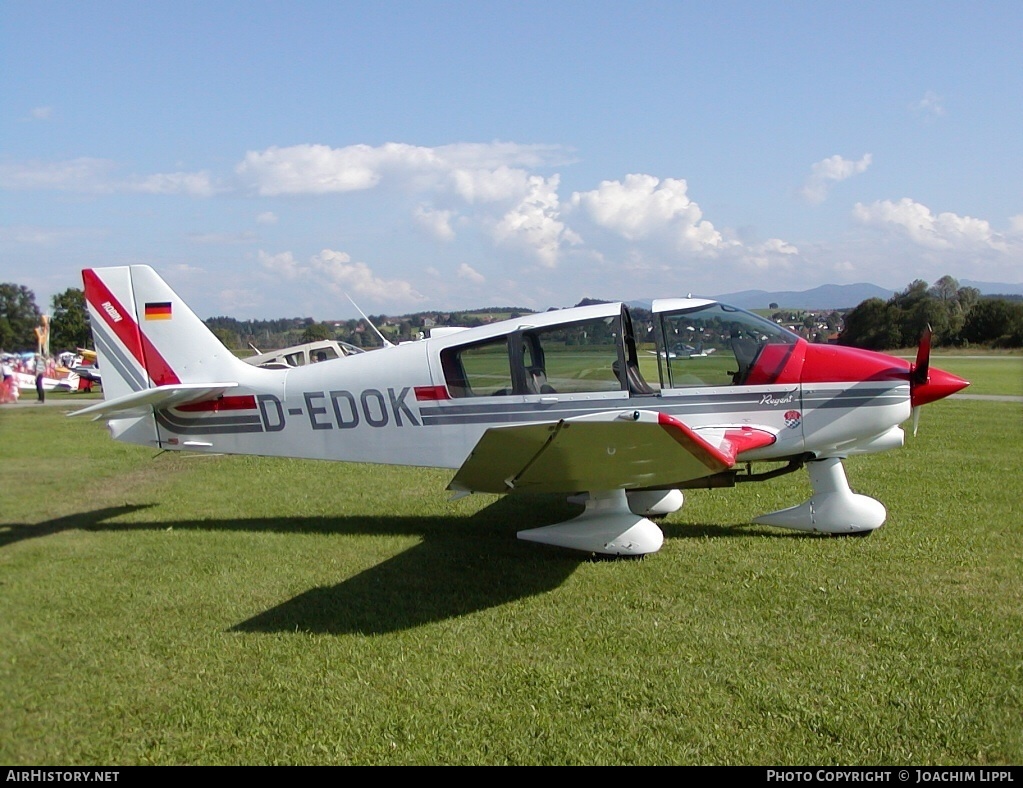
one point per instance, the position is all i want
(629, 449)
(141, 403)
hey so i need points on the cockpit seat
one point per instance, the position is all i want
(536, 381)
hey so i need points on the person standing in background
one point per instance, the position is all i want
(40, 373)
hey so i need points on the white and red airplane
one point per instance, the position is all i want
(552, 402)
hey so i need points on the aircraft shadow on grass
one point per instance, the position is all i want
(462, 565)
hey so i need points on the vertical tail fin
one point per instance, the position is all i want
(146, 336)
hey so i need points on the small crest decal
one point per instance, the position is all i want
(792, 418)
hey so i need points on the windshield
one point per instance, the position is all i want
(720, 345)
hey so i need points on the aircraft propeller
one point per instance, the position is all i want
(927, 384)
(918, 373)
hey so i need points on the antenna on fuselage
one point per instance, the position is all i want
(383, 339)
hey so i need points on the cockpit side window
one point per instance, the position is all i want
(578, 357)
(478, 370)
(718, 345)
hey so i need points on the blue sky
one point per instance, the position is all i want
(269, 158)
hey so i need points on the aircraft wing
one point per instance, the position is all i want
(141, 403)
(630, 449)
(89, 373)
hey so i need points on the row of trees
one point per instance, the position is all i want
(267, 334)
(272, 334)
(19, 317)
(958, 316)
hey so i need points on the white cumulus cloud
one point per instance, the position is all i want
(310, 169)
(335, 271)
(345, 276)
(487, 186)
(773, 253)
(320, 169)
(466, 271)
(535, 224)
(283, 264)
(827, 172)
(642, 206)
(436, 224)
(943, 231)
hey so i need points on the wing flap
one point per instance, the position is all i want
(603, 451)
(141, 403)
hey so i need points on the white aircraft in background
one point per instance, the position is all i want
(303, 354)
(551, 403)
(681, 350)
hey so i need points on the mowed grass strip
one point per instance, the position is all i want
(991, 374)
(174, 609)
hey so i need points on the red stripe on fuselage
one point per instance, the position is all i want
(123, 324)
(431, 393)
(243, 402)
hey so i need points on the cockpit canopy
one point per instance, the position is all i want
(593, 350)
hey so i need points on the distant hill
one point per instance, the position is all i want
(993, 288)
(840, 296)
(823, 297)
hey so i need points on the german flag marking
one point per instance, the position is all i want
(158, 310)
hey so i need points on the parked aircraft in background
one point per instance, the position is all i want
(680, 350)
(87, 366)
(303, 354)
(553, 402)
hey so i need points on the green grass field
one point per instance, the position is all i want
(1001, 375)
(170, 609)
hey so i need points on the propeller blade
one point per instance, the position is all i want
(923, 358)
(926, 386)
(916, 419)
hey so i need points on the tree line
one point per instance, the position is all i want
(958, 317)
(19, 317)
(273, 334)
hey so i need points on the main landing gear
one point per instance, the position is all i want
(833, 508)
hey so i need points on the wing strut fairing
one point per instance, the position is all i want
(607, 526)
